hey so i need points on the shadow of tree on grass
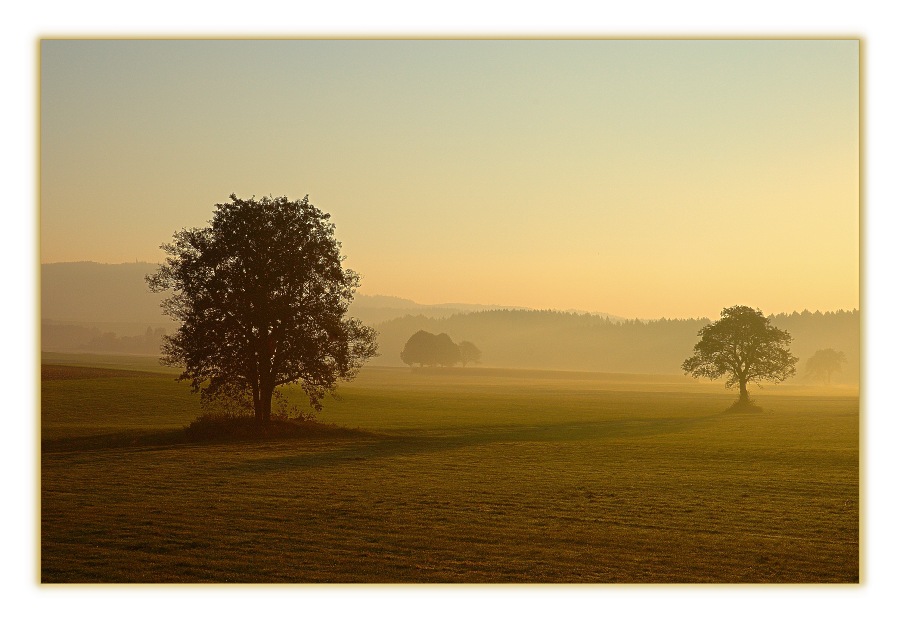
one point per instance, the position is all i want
(380, 446)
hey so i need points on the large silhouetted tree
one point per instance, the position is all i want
(744, 348)
(824, 363)
(262, 298)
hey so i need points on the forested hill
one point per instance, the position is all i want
(569, 341)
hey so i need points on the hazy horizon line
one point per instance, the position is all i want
(499, 306)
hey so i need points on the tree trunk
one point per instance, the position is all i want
(745, 395)
(264, 405)
(263, 389)
(257, 403)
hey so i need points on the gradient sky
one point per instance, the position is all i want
(640, 178)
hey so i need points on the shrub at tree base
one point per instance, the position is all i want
(742, 406)
(229, 415)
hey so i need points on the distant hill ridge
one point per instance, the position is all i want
(91, 292)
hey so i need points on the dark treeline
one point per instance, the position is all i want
(570, 341)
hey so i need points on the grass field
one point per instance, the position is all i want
(470, 476)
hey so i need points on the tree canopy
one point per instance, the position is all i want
(824, 363)
(428, 349)
(743, 347)
(262, 299)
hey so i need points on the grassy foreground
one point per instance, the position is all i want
(473, 476)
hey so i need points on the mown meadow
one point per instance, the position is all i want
(470, 475)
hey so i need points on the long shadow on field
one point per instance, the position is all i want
(437, 440)
(154, 440)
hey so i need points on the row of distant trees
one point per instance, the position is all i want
(428, 349)
(65, 337)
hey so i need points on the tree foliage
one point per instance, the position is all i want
(743, 347)
(262, 299)
(420, 349)
(824, 363)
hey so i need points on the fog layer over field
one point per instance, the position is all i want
(91, 307)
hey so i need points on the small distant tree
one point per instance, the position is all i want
(469, 353)
(824, 363)
(744, 348)
(446, 350)
(428, 349)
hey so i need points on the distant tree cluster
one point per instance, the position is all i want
(79, 338)
(553, 340)
(428, 349)
(108, 341)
